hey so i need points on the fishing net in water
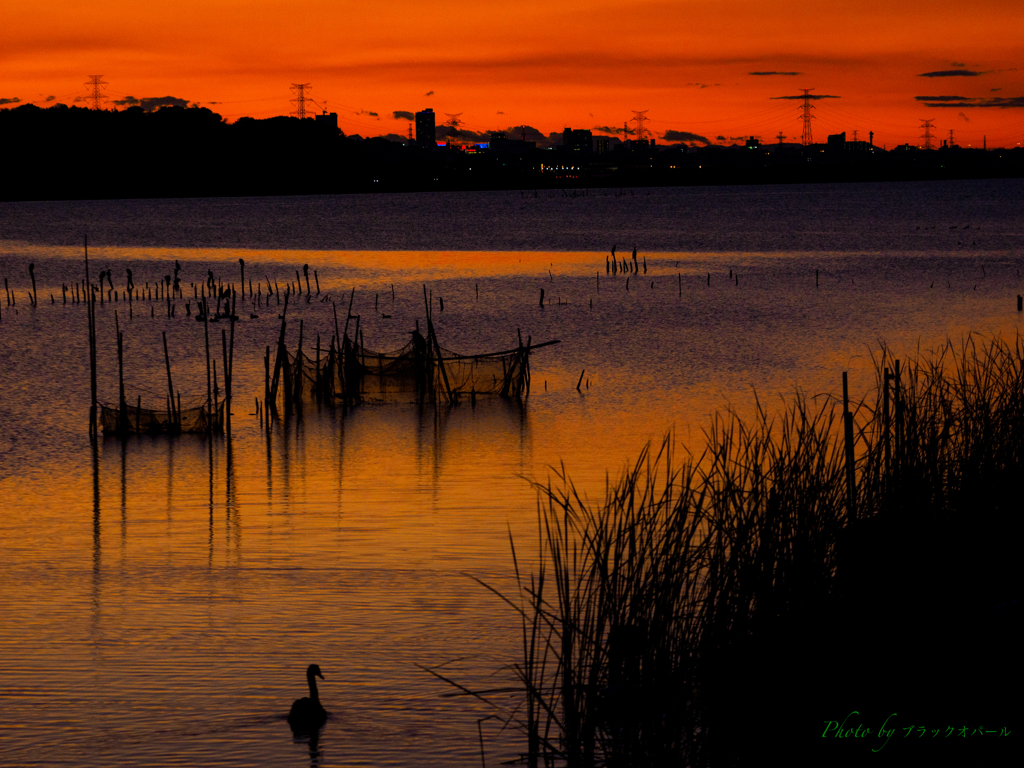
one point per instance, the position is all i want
(420, 371)
(191, 416)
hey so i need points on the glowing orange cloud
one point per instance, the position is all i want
(581, 64)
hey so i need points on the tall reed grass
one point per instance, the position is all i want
(701, 584)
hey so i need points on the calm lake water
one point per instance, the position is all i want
(162, 597)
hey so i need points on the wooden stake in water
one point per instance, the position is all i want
(231, 362)
(266, 383)
(170, 385)
(209, 384)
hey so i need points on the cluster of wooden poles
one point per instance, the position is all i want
(167, 290)
(173, 408)
(337, 379)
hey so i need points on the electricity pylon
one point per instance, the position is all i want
(806, 138)
(927, 135)
(300, 98)
(453, 122)
(640, 118)
(95, 81)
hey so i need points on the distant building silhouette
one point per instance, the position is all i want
(579, 140)
(328, 120)
(425, 128)
(501, 144)
(602, 145)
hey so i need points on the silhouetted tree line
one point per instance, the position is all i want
(70, 152)
(75, 153)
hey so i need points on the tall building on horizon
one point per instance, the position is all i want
(579, 140)
(425, 125)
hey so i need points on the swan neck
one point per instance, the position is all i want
(313, 694)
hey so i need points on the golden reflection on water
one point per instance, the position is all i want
(162, 596)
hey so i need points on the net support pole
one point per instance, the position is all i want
(170, 385)
(297, 390)
(209, 390)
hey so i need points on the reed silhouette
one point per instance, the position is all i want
(713, 610)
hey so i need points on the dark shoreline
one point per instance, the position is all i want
(80, 154)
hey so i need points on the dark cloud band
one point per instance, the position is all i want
(952, 73)
(672, 135)
(1000, 102)
(811, 96)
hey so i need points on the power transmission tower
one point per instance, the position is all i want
(951, 143)
(927, 135)
(95, 81)
(300, 98)
(640, 118)
(806, 139)
(453, 122)
(780, 137)
(410, 131)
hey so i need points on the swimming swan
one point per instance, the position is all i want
(308, 713)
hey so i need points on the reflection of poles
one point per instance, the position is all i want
(124, 493)
(209, 444)
(95, 520)
(436, 348)
(91, 316)
(122, 405)
(229, 491)
(317, 385)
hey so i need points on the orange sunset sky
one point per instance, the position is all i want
(698, 66)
